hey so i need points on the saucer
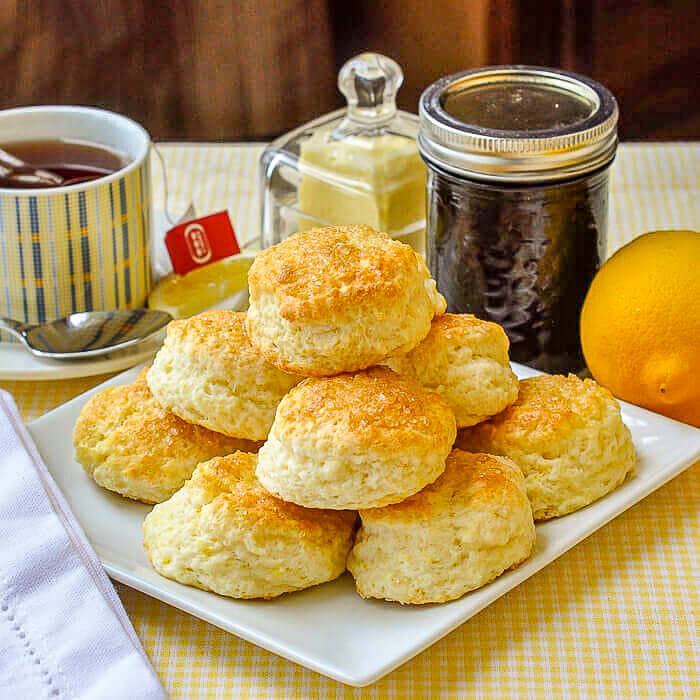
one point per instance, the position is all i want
(17, 363)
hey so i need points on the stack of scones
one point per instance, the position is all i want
(347, 389)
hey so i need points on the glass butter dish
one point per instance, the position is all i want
(358, 165)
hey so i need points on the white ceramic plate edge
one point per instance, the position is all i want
(264, 641)
(530, 567)
(588, 520)
(18, 364)
(516, 577)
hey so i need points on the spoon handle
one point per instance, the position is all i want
(12, 326)
(12, 167)
(8, 160)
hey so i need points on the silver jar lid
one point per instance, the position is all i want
(517, 123)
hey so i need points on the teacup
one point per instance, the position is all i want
(80, 247)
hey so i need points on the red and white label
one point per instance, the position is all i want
(201, 241)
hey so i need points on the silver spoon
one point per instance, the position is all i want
(88, 333)
(15, 171)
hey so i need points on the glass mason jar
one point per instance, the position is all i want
(518, 161)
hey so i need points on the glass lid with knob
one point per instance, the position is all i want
(357, 165)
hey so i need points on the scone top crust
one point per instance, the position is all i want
(136, 424)
(450, 332)
(549, 407)
(471, 478)
(229, 484)
(489, 338)
(324, 272)
(373, 409)
(219, 332)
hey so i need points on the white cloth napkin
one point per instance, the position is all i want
(63, 630)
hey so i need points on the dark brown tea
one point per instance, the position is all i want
(58, 163)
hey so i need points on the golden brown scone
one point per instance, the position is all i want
(567, 436)
(356, 441)
(129, 444)
(465, 360)
(339, 299)
(224, 533)
(457, 534)
(208, 373)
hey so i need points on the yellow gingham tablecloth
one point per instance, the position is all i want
(617, 616)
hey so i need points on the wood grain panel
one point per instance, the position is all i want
(237, 69)
(428, 39)
(648, 53)
(207, 69)
(272, 68)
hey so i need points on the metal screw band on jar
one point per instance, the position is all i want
(534, 124)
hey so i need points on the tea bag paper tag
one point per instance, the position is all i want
(201, 241)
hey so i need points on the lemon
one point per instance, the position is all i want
(640, 324)
(199, 289)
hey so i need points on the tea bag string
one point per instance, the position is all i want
(190, 212)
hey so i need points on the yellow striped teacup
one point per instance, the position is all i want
(85, 246)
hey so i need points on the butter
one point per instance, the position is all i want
(375, 180)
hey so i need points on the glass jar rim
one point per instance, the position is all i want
(521, 155)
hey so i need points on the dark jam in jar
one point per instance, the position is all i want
(518, 160)
(523, 257)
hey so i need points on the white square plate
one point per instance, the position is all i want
(330, 629)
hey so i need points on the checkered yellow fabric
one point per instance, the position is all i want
(617, 616)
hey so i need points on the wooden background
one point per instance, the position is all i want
(251, 69)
